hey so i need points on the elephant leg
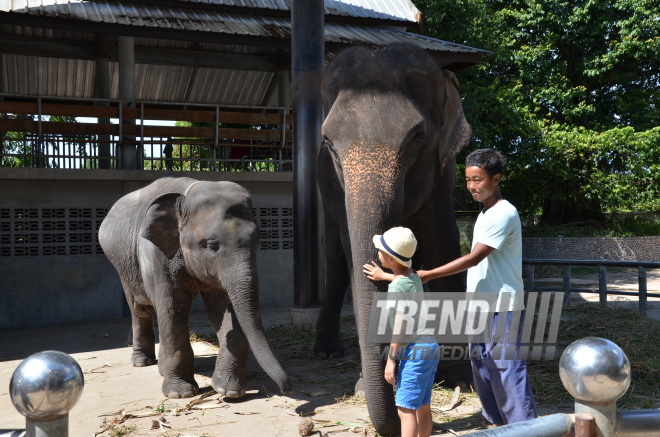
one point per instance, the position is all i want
(142, 321)
(328, 341)
(176, 361)
(230, 368)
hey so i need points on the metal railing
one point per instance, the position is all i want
(227, 138)
(641, 266)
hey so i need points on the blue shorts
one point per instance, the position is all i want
(414, 379)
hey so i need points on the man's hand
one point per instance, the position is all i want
(423, 276)
(390, 371)
(375, 273)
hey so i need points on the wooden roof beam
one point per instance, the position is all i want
(51, 48)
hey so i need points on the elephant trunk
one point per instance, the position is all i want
(243, 291)
(374, 216)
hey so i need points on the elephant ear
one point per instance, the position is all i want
(161, 223)
(456, 132)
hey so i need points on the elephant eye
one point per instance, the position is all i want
(211, 244)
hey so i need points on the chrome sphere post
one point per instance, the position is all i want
(44, 388)
(596, 372)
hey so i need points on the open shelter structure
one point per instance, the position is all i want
(99, 98)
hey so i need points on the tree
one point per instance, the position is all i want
(570, 94)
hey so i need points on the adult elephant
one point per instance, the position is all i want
(175, 238)
(394, 125)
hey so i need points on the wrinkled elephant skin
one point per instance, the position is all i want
(394, 125)
(171, 240)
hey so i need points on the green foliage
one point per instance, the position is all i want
(619, 166)
(570, 95)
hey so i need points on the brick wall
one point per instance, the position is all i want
(606, 248)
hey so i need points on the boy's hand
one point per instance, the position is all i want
(390, 371)
(375, 273)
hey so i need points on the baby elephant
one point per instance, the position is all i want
(175, 238)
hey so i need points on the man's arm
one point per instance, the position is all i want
(478, 254)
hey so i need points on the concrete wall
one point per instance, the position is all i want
(80, 284)
(604, 248)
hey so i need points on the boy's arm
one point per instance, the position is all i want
(390, 366)
(375, 273)
(478, 254)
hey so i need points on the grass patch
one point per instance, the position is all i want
(634, 334)
(120, 431)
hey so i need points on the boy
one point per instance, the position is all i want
(418, 361)
(494, 265)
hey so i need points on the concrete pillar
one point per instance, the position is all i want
(126, 47)
(307, 47)
(283, 88)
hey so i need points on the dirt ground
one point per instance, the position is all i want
(121, 400)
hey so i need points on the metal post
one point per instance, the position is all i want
(554, 425)
(641, 278)
(638, 423)
(567, 284)
(102, 91)
(284, 101)
(584, 425)
(596, 372)
(602, 285)
(307, 68)
(38, 160)
(216, 140)
(44, 388)
(530, 277)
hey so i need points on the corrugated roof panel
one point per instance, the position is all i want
(400, 10)
(47, 76)
(383, 36)
(165, 83)
(403, 10)
(229, 87)
(209, 21)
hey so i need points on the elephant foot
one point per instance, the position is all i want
(140, 359)
(228, 386)
(176, 388)
(329, 349)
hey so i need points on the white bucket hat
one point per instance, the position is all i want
(398, 242)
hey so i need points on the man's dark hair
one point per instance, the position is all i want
(492, 161)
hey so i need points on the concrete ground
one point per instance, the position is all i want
(118, 395)
(618, 280)
(119, 399)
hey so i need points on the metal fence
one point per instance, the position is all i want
(602, 290)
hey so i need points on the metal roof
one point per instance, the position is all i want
(48, 47)
(190, 20)
(400, 10)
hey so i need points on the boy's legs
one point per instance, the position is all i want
(424, 421)
(503, 384)
(408, 419)
(413, 388)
